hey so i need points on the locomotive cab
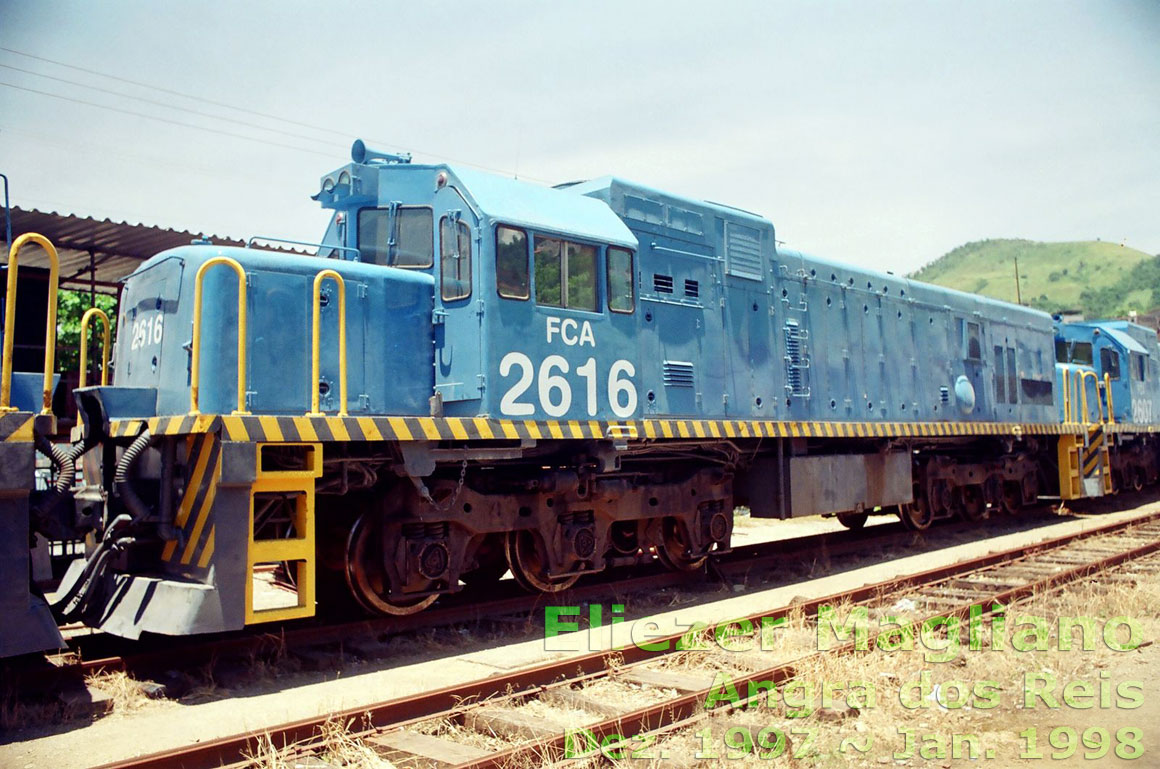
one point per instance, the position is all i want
(530, 283)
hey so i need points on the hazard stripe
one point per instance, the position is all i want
(203, 450)
(207, 551)
(369, 429)
(236, 428)
(17, 427)
(203, 511)
(338, 429)
(332, 428)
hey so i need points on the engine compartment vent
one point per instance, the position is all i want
(663, 284)
(797, 360)
(692, 289)
(678, 373)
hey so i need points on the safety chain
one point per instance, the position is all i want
(454, 497)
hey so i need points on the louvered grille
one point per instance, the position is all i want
(678, 373)
(797, 360)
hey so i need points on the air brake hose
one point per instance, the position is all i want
(68, 601)
(65, 460)
(123, 486)
(76, 598)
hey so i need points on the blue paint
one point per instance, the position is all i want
(1128, 352)
(721, 323)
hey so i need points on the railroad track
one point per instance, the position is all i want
(99, 653)
(511, 710)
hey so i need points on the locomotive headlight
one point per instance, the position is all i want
(441, 180)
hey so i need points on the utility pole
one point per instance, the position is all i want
(1018, 292)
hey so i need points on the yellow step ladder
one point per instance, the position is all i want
(285, 477)
(1085, 468)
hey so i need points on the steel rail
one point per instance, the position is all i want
(748, 560)
(745, 561)
(687, 707)
(231, 750)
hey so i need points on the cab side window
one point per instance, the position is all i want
(454, 258)
(412, 235)
(1110, 363)
(565, 274)
(511, 262)
(620, 280)
(581, 261)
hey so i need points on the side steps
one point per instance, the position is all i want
(282, 532)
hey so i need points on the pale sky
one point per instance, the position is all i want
(878, 133)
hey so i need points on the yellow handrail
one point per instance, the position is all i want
(94, 312)
(10, 321)
(314, 342)
(1066, 395)
(1108, 394)
(1083, 376)
(195, 363)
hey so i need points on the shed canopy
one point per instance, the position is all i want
(96, 253)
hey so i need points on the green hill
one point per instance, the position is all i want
(1100, 279)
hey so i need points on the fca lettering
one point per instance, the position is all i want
(565, 328)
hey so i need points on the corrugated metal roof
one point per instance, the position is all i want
(114, 248)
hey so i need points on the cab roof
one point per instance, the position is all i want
(510, 201)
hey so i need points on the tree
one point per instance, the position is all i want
(70, 308)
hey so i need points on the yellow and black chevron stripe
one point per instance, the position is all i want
(17, 427)
(194, 511)
(278, 429)
(1092, 450)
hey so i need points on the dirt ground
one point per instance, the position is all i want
(130, 728)
(1047, 706)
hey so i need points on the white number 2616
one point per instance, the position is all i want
(146, 331)
(555, 390)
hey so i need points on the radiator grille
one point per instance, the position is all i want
(743, 251)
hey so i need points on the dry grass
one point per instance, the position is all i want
(337, 747)
(124, 690)
(456, 732)
(622, 695)
(828, 703)
(343, 749)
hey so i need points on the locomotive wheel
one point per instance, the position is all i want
(528, 561)
(1137, 476)
(853, 521)
(368, 580)
(916, 515)
(971, 506)
(673, 549)
(1012, 497)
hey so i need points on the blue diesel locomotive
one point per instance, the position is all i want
(476, 374)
